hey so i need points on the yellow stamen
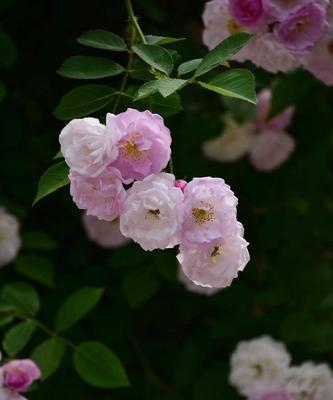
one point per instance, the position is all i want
(153, 213)
(202, 215)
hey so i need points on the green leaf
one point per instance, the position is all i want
(53, 179)
(237, 83)
(36, 268)
(97, 365)
(139, 286)
(21, 297)
(17, 337)
(3, 91)
(157, 57)
(222, 52)
(38, 240)
(8, 52)
(84, 67)
(105, 40)
(161, 40)
(48, 356)
(5, 319)
(58, 155)
(76, 307)
(165, 86)
(189, 66)
(83, 100)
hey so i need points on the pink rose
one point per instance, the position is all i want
(271, 149)
(102, 196)
(87, 147)
(248, 12)
(144, 147)
(20, 374)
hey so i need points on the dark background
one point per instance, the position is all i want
(173, 344)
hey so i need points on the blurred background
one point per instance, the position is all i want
(174, 344)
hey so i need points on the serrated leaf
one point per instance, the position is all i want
(155, 56)
(85, 67)
(189, 66)
(37, 268)
(48, 356)
(237, 83)
(161, 40)
(17, 337)
(21, 297)
(99, 366)
(53, 179)
(165, 86)
(101, 39)
(222, 52)
(83, 100)
(76, 307)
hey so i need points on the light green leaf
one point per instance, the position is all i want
(222, 52)
(139, 286)
(165, 86)
(53, 179)
(83, 100)
(84, 67)
(36, 268)
(189, 66)
(157, 57)
(8, 52)
(21, 297)
(48, 356)
(97, 365)
(238, 83)
(76, 307)
(105, 40)
(58, 155)
(17, 337)
(161, 40)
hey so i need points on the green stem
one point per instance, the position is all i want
(170, 165)
(134, 20)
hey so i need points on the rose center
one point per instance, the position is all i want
(131, 150)
(153, 213)
(202, 215)
(233, 27)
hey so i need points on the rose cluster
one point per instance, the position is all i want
(260, 370)
(288, 34)
(264, 139)
(16, 377)
(116, 170)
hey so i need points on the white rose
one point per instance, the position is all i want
(10, 241)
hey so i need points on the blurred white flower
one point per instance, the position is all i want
(258, 365)
(10, 241)
(234, 142)
(310, 382)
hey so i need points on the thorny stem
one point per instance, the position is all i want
(134, 20)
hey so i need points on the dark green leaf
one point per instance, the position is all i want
(189, 66)
(222, 52)
(83, 100)
(48, 356)
(3, 91)
(36, 268)
(161, 40)
(21, 297)
(76, 307)
(5, 319)
(105, 40)
(98, 366)
(84, 67)
(17, 337)
(237, 83)
(157, 57)
(8, 53)
(165, 86)
(53, 179)
(38, 240)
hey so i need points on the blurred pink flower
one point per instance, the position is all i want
(105, 233)
(302, 28)
(7, 394)
(181, 184)
(153, 212)
(87, 147)
(18, 375)
(271, 149)
(248, 12)
(209, 211)
(280, 394)
(217, 263)
(10, 241)
(102, 196)
(192, 287)
(144, 147)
